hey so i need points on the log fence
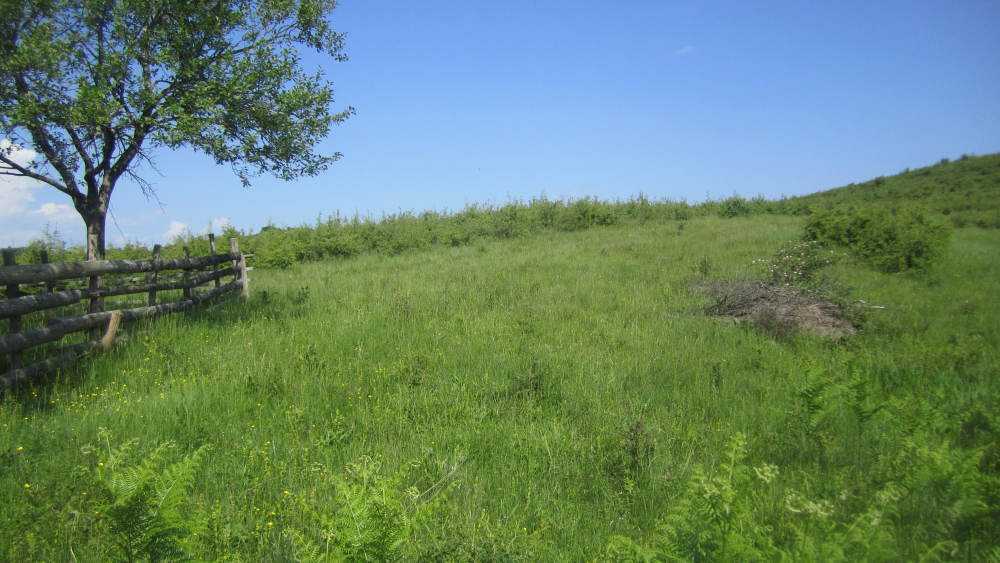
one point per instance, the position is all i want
(34, 288)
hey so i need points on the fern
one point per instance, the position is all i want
(374, 517)
(145, 502)
(935, 489)
(860, 400)
(712, 520)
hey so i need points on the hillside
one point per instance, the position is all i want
(966, 190)
(559, 396)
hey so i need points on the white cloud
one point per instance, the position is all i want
(15, 196)
(176, 229)
(685, 50)
(16, 192)
(22, 216)
(58, 212)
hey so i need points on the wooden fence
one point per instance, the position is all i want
(32, 288)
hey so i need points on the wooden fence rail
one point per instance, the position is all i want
(194, 272)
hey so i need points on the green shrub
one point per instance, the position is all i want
(585, 213)
(508, 222)
(734, 206)
(892, 240)
(279, 248)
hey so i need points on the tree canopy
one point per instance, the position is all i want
(94, 85)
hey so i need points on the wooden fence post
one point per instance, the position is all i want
(49, 286)
(240, 265)
(15, 321)
(215, 267)
(186, 275)
(153, 277)
(96, 303)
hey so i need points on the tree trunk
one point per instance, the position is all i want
(95, 221)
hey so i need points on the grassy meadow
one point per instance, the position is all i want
(541, 380)
(561, 396)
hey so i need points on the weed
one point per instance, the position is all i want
(535, 383)
(704, 267)
(716, 376)
(628, 455)
(301, 296)
(639, 447)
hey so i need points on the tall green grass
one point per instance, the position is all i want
(559, 396)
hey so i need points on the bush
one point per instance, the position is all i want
(734, 206)
(279, 248)
(892, 240)
(796, 262)
(585, 213)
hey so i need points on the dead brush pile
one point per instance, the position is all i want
(779, 310)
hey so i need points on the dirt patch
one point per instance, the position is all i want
(778, 310)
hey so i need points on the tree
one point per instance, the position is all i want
(93, 86)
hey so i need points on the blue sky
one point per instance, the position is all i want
(466, 102)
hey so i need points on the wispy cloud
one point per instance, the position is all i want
(685, 50)
(16, 192)
(58, 212)
(175, 230)
(22, 216)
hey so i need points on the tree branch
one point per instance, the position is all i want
(27, 172)
(42, 140)
(133, 148)
(88, 163)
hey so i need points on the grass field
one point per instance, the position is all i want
(543, 397)
(964, 191)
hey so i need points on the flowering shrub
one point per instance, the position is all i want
(796, 262)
